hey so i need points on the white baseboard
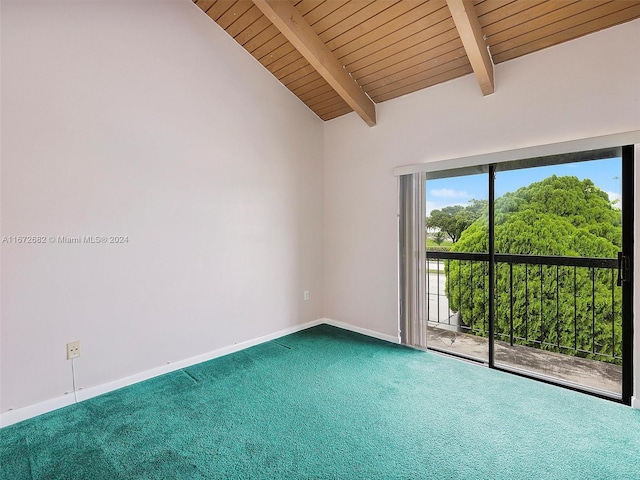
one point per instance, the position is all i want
(635, 402)
(14, 416)
(363, 331)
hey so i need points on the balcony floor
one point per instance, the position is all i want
(593, 374)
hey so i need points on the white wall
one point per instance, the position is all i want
(145, 119)
(584, 88)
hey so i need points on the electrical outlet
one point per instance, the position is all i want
(73, 350)
(306, 294)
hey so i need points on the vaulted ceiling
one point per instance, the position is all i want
(342, 56)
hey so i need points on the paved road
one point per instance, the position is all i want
(438, 303)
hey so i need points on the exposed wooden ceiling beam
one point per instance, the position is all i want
(289, 21)
(466, 20)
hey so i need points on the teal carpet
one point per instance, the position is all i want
(326, 403)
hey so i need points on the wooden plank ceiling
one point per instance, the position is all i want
(394, 47)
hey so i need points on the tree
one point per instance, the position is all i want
(454, 219)
(559, 216)
(438, 237)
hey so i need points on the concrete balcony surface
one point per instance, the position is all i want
(445, 333)
(593, 374)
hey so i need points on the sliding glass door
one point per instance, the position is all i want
(558, 305)
(529, 269)
(457, 271)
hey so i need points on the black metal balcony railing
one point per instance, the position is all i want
(568, 305)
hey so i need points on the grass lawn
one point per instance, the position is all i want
(432, 243)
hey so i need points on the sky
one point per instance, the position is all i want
(606, 174)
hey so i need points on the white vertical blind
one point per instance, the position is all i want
(413, 327)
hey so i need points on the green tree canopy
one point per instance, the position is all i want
(553, 306)
(558, 216)
(453, 220)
